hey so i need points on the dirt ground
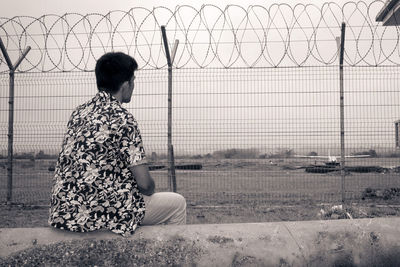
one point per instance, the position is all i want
(230, 181)
(236, 191)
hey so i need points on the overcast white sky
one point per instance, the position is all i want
(10, 8)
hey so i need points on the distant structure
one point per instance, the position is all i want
(390, 13)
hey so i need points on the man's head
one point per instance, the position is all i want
(115, 74)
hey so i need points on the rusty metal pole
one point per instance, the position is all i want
(342, 143)
(10, 153)
(171, 160)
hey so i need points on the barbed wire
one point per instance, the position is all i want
(280, 35)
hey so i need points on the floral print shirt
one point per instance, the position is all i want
(93, 186)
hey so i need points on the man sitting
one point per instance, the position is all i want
(101, 177)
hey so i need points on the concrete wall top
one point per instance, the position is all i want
(358, 242)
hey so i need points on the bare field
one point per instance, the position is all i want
(229, 181)
(228, 190)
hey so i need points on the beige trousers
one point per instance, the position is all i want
(164, 208)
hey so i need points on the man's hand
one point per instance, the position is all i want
(143, 179)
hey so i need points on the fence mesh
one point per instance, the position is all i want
(247, 118)
(245, 127)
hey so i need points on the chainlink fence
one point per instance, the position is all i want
(256, 104)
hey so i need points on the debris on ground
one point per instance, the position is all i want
(334, 213)
(358, 169)
(219, 239)
(387, 193)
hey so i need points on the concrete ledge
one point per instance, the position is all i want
(313, 243)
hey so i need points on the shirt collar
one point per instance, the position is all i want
(106, 97)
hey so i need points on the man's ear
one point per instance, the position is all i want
(124, 85)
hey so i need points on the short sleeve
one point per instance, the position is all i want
(131, 146)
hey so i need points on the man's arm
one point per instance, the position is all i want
(143, 179)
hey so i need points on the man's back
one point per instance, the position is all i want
(93, 185)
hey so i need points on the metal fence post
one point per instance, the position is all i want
(342, 147)
(12, 69)
(171, 160)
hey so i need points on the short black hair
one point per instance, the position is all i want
(113, 69)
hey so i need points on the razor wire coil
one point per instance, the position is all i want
(280, 35)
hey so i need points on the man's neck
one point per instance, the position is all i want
(117, 95)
